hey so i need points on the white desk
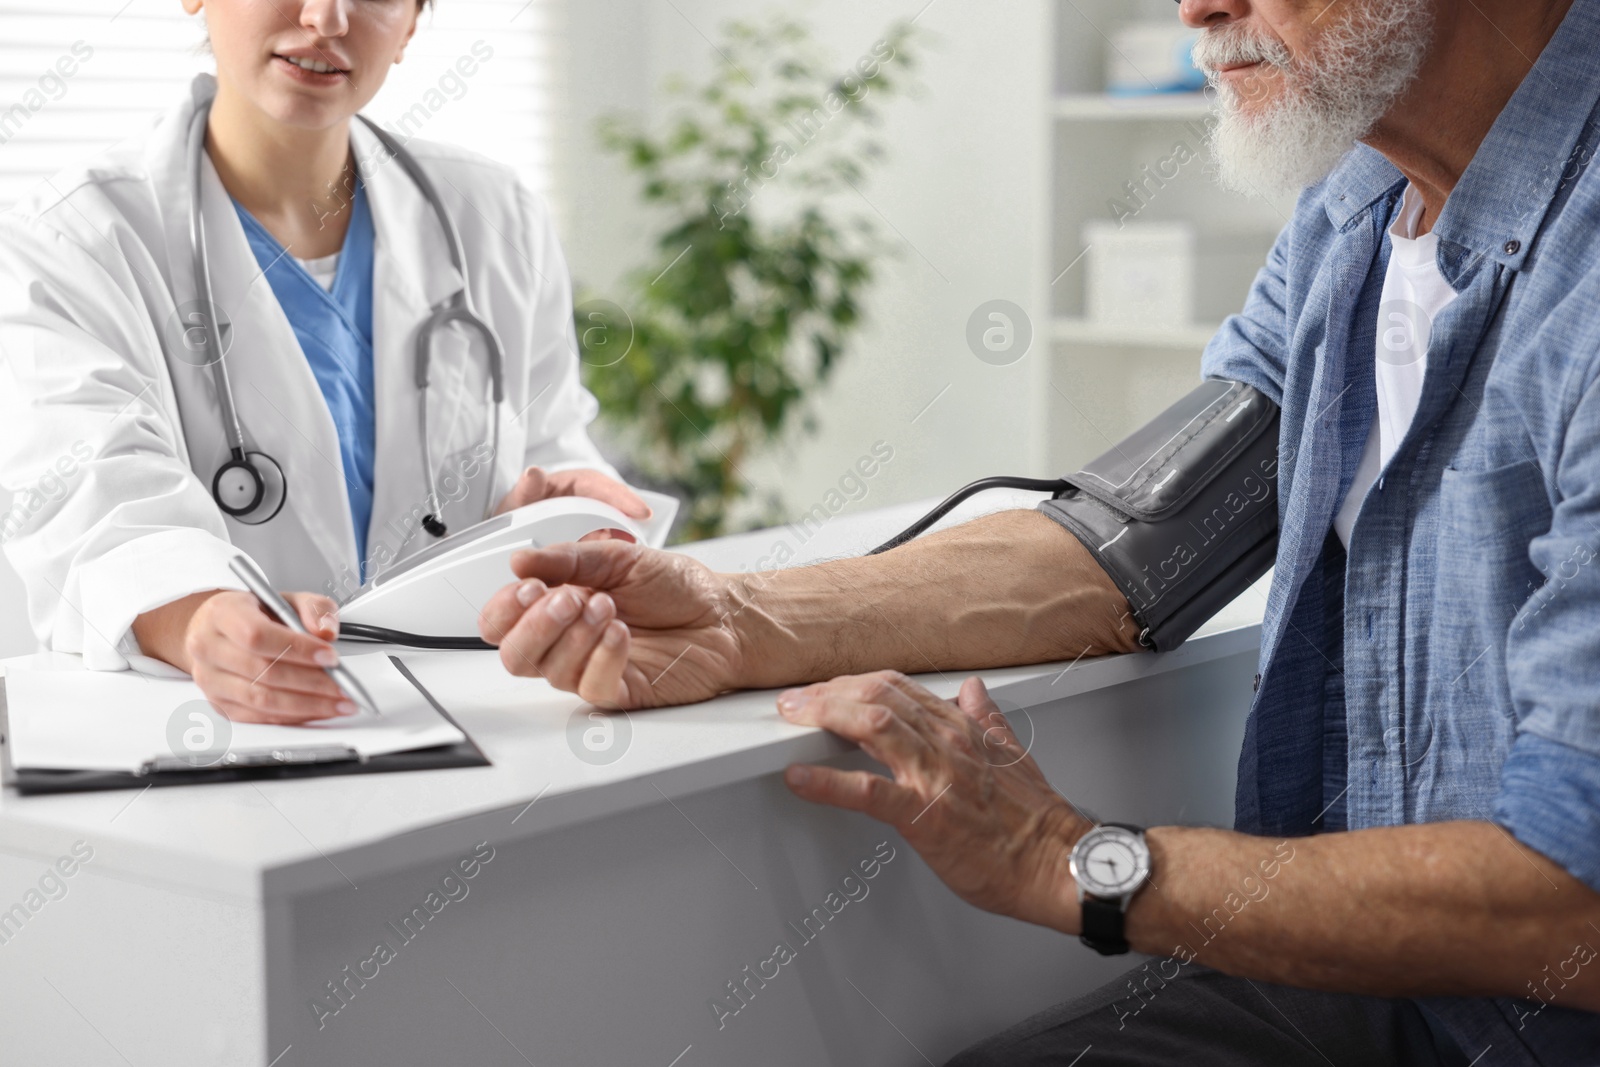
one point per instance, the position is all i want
(620, 900)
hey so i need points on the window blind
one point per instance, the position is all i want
(76, 76)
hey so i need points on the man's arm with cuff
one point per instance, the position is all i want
(1139, 548)
(1010, 588)
(624, 626)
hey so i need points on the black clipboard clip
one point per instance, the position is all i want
(266, 757)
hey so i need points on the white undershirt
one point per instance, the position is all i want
(1414, 293)
(323, 270)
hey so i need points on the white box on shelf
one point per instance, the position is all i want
(1141, 273)
(1152, 57)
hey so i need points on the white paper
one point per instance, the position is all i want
(66, 718)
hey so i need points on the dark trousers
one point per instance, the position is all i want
(1201, 1017)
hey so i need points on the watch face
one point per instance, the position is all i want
(1110, 861)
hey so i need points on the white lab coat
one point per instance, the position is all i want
(110, 440)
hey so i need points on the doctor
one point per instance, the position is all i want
(312, 447)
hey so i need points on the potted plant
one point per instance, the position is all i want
(764, 251)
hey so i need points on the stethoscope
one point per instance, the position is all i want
(251, 486)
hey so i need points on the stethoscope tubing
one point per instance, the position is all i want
(457, 309)
(202, 279)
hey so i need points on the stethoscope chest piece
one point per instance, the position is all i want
(250, 488)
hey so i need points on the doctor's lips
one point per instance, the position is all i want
(313, 66)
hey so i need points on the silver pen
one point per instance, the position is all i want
(285, 613)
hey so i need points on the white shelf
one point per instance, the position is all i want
(1084, 332)
(1102, 107)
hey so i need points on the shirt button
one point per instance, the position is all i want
(1255, 686)
(1513, 247)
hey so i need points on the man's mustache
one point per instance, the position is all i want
(1232, 45)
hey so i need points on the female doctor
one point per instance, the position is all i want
(314, 448)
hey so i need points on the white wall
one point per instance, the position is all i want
(16, 637)
(964, 184)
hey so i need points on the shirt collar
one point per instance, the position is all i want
(1500, 203)
(1364, 177)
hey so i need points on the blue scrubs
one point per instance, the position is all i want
(335, 333)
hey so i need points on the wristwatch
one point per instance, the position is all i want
(1110, 864)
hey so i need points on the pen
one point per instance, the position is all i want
(284, 612)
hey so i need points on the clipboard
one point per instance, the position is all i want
(268, 766)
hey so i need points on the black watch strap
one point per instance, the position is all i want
(1103, 926)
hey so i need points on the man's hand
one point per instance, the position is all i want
(618, 624)
(1005, 589)
(1457, 908)
(964, 793)
(536, 484)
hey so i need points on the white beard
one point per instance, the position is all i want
(1328, 99)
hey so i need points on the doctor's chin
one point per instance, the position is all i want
(1023, 535)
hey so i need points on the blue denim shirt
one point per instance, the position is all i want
(1448, 666)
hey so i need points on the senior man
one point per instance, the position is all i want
(1420, 779)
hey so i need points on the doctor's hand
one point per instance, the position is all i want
(536, 484)
(619, 624)
(962, 791)
(249, 666)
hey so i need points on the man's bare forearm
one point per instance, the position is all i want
(1449, 908)
(1007, 589)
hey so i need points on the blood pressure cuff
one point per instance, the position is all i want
(1183, 514)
